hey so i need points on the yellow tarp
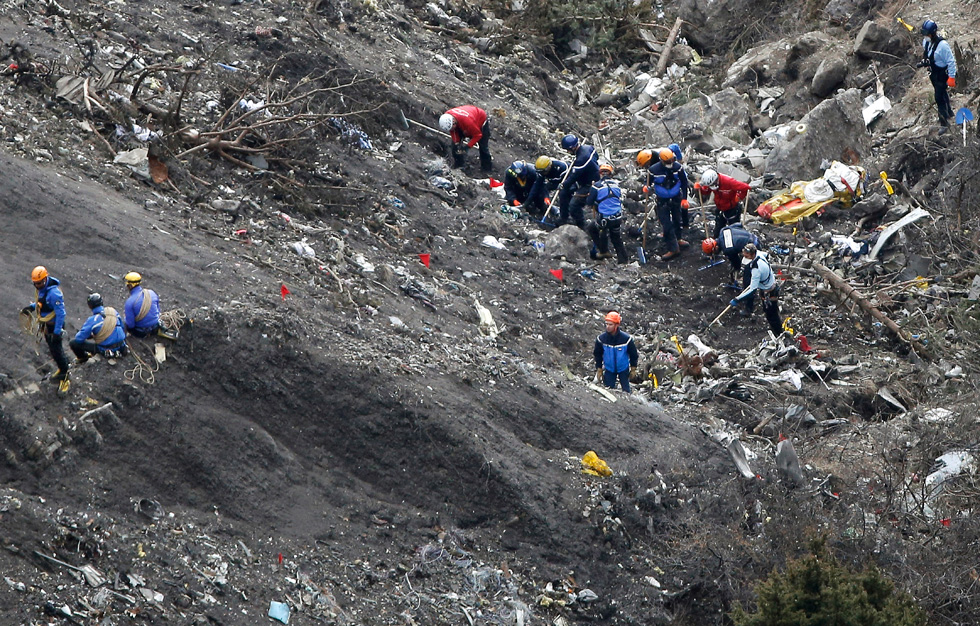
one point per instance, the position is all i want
(592, 464)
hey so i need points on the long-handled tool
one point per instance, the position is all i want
(406, 121)
(720, 315)
(92, 576)
(555, 194)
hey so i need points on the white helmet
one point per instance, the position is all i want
(709, 179)
(446, 122)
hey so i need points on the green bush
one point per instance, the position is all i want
(816, 590)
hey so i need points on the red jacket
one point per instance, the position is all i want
(469, 123)
(729, 193)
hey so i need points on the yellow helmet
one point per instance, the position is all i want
(133, 279)
(39, 273)
(644, 157)
(543, 163)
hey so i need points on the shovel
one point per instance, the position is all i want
(720, 315)
(92, 576)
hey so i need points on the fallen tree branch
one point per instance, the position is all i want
(668, 46)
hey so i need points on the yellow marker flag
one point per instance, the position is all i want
(905, 24)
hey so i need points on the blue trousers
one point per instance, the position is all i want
(609, 379)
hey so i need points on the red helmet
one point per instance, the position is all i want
(708, 246)
(614, 317)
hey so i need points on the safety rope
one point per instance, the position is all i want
(173, 320)
(142, 370)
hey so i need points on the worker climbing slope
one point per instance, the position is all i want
(49, 306)
(939, 58)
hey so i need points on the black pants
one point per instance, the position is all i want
(57, 348)
(605, 229)
(669, 214)
(727, 218)
(938, 77)
(770, 306)
(84, 349)
(486, 160)
(571, 206)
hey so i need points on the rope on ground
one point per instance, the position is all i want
(144, 371)
(173, 320)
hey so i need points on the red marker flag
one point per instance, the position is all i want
(945, 522)
(425, 259)
(559, 274)
(283, 292)
(494, 183)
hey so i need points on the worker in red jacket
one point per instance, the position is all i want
(729, 194)
(468, 126)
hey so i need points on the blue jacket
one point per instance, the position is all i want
(548, 180)
(616, 353)
(93, 326)
(514, 189)
(939, 55)
(133, 305)
(606, 196)
(585, 169)
(731, 241)
(50, 305)
(763, 278)
(668, 182)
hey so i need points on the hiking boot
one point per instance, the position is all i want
(59, 376)
(683, 244)
(82, 359)
(745, 313)
(670, 255)
(604, 255)
(167, 333)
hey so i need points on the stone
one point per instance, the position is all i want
(870, 206)
(569, 242)
(719, 120)
(830, 73)
(833, 129)
(874, 38)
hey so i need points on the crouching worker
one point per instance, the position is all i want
(763, 280)
(615, 354)
(143, 310)
(102, 333)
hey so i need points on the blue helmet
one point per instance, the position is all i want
(929, 27)
(569, 142)
(519, 168)
(678, 153)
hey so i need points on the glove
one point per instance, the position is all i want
(515, 202)
(646, 189)
(633, 372)
(951, 82)
(734, 302)
(923, 63)
(27, 310)
(598, 374)
(58, 333)
(547, 201)
(685, 204)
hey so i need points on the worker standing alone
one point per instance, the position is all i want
(49, 306)
(615, 354)
(939, 58)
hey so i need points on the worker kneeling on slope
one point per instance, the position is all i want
(605, 198)
(102, 333)
(143, 310)
(615, 354)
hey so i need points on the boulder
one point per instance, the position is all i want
(873, 37)
(569, 242)
(833, 128)
(776, 61)
(848, 12)
(830, 73)
(871, 206)
(718, 120)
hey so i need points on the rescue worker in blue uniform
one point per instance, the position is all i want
(143, 310)
(49, 305)
(102, 333)
(669, 181)
(518, 182)
(615, 354)
(762, 280)
(551, 173)
(584, 171)
(730, 243)
(606, 199)
(679, 158)
(939, 58)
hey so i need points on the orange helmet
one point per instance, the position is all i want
(605, 168)
(644, 157)
(708, 246)
(39, 273)
(614, 317)
(667, 155)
